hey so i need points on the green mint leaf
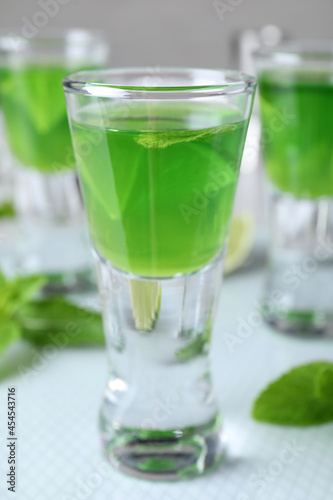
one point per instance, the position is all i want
(10, 331)
(14, 294)
(2, 279)
(198, 345)
(161, 140)
(55, 320)
(301, 397)
(324, 383)
(193, 349)
(7, 210)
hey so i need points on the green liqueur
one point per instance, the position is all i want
(297, 110)
(34, 108)
(159, 181)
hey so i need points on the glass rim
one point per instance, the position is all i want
(13, 40)
(297, 51)
(86, 83)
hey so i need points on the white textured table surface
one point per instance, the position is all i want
(58, 399)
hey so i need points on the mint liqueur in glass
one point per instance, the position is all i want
(141, 195)
(158, 167)
(296, 100)
(299, 157)
(36, 118)
(46, 192)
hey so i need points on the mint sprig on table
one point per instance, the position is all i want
(45, 320)
(7, 210)
(301, 397)
(41, 321)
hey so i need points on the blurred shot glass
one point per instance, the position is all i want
(53, 238)
(296, 99)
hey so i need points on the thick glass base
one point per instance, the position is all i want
(54, 237)
(301, 323)
(299, 287)
(80, 281)
(60, 252)
(159, 415)
(166, 455)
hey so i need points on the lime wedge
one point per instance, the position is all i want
(240, 241)
(145, 302)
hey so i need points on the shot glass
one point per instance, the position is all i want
(296, 99)
(47, 198)
(158, 158)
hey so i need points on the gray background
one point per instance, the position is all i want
(177, 32)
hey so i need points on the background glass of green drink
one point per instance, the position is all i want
(296, 99)
(158, 156)
(46, 193)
